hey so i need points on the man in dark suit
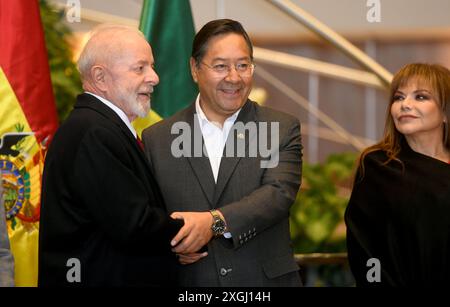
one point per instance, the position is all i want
(103, 221)
(211, 158)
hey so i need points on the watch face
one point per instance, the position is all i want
(218, 227)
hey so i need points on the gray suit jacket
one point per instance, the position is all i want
(255, 201)
(6, 258)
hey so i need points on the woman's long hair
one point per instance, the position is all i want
(437, 78)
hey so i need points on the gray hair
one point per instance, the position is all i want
(101, 46)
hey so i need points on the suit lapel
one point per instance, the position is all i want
(200, 164)
(229, 164)
(88, 101)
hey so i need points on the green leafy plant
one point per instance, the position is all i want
(317, 217)
(64, 74)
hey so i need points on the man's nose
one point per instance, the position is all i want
(152, 77)
(232, 74)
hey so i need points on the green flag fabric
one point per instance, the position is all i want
(168, 26)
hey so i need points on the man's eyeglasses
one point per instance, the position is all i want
(243, 69)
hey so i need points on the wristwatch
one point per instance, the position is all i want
(218, 227)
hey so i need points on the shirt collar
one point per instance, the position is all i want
(118, 111)
(204, 120)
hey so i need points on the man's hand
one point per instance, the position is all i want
(195, 233)
(190, 258)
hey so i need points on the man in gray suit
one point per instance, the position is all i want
(234, 165)
(6, 258)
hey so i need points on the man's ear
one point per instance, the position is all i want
(194, 69)
(98, 75)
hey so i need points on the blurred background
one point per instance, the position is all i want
(340, 101)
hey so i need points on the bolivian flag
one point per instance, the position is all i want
(28, 121)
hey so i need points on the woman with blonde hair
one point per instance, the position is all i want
(398, 216)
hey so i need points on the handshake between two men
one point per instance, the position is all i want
(199, 228)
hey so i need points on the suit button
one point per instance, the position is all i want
(224, 271)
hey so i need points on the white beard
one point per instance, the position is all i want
(135, 106)
(139, 109)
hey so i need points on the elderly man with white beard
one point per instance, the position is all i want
(103, 221)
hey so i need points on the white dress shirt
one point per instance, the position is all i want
(118, 111)
(214, 136)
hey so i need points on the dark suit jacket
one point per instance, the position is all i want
(255, 202)
(101, 205)
(399, 214)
